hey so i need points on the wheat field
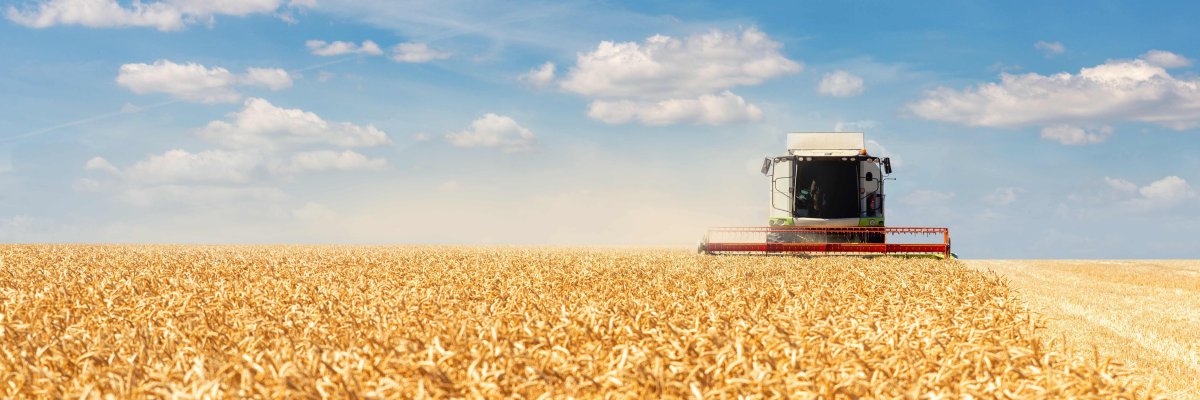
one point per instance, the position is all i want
(413, 322)
(1144, 312)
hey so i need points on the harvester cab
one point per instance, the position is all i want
(827, 179)
(826, 197)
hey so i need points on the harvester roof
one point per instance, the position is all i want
(820, 144)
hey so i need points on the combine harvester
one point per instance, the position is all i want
(827, 199)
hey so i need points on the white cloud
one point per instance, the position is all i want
(1003, 196)
(1171, 190)
(707, 109)
(412, 52)
(840, 84)
(665, 67)
(195, 82)
(665, 80)
(180, 166)
(448, 186)
(261, 143)
(100, 164)
(1120, 184)
(192, 82)
(162, 15)
(225, 7)
(493, 131)
(336, 48)
(271, 78)
(1168, 192)
(1166, 59)
(263, 125)
(540, 76)
(1074, 135)
(1164, 193)
(1118, 90)
(324, 160)
(927, 198)
(1049, 49)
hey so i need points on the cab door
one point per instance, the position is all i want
(783, 190)
(871, 190)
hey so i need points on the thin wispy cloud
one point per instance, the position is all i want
(160, 15)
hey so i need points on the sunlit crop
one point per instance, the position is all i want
(297, 321)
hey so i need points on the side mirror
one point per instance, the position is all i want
(887, 165)
(766, 167)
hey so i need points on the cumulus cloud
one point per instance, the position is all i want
(1164, 193)
(100, 164)
(181, 166)
(1166, 59)
(540, 76)
(1074, 135)
(167, 15)
(258, 143)
(1171, 189)
(707, 109)
(192, 82)
(665, 67)
(261, 124)
(664, 80)
(1138, 90)
(325, 160)
(195, 82)
(413, 52)
(495, 131)
(840, 84)
(271, 78)
(1003, 196)
(337, 48)
(1049, 49)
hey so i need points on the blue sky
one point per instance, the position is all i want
(1031, 129)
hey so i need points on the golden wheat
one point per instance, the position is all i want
(410, 322)
(1146, 312)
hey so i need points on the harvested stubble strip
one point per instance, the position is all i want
(296, 321)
